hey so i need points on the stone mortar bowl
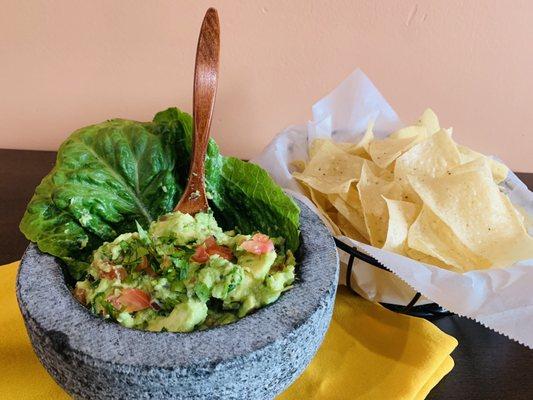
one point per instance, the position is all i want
(255, 358)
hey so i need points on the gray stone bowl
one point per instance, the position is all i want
(255, 358)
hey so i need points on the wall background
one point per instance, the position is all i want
(69, 63)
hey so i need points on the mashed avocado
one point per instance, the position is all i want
(185, 273)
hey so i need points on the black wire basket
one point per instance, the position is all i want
(429, 311)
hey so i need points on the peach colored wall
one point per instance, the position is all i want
(65, 64)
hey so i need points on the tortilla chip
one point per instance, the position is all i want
(361, 149)
(401, 216)
(432, 157)
(418, 256)
(331, 170)
(427, 125)
(356, 149)
(297, 165)
(467, 200)
(384, 152)
(352, 197)
(430, 121)
(333, 219)
(371, 190)
(315, 146)
(349, 230)
(431, 236)
(354, 213)
(499, 170)
(322, 203)
(385, 173)
(419, 133)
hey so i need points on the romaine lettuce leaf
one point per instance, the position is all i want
(110, 175)
(244, 197)
(242, 194)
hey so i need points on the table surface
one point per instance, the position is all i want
(487, 365)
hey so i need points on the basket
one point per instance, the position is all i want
(428, 311)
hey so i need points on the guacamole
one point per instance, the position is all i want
(183, 274)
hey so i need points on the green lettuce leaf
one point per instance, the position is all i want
(111, 175)
(242, 194)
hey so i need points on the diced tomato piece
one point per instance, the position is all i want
(134, 299)
(214, 248)
(145, 266)
(261, 237)
(210, 247)
(258, 244)
(200, 254)
(115, 273)
(113, 299)
(80, 294)
(222, 251)
(210, 242)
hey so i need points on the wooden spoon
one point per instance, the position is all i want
(194, 199)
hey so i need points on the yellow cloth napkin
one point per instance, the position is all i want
(369, 353)
(372, 353)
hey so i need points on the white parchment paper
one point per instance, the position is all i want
(501, 299)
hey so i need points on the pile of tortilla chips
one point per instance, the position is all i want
(419, 194)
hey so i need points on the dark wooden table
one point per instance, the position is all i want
(487, 365)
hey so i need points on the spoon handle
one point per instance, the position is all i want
(194, 198)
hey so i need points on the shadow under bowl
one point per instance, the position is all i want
(256, 357)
